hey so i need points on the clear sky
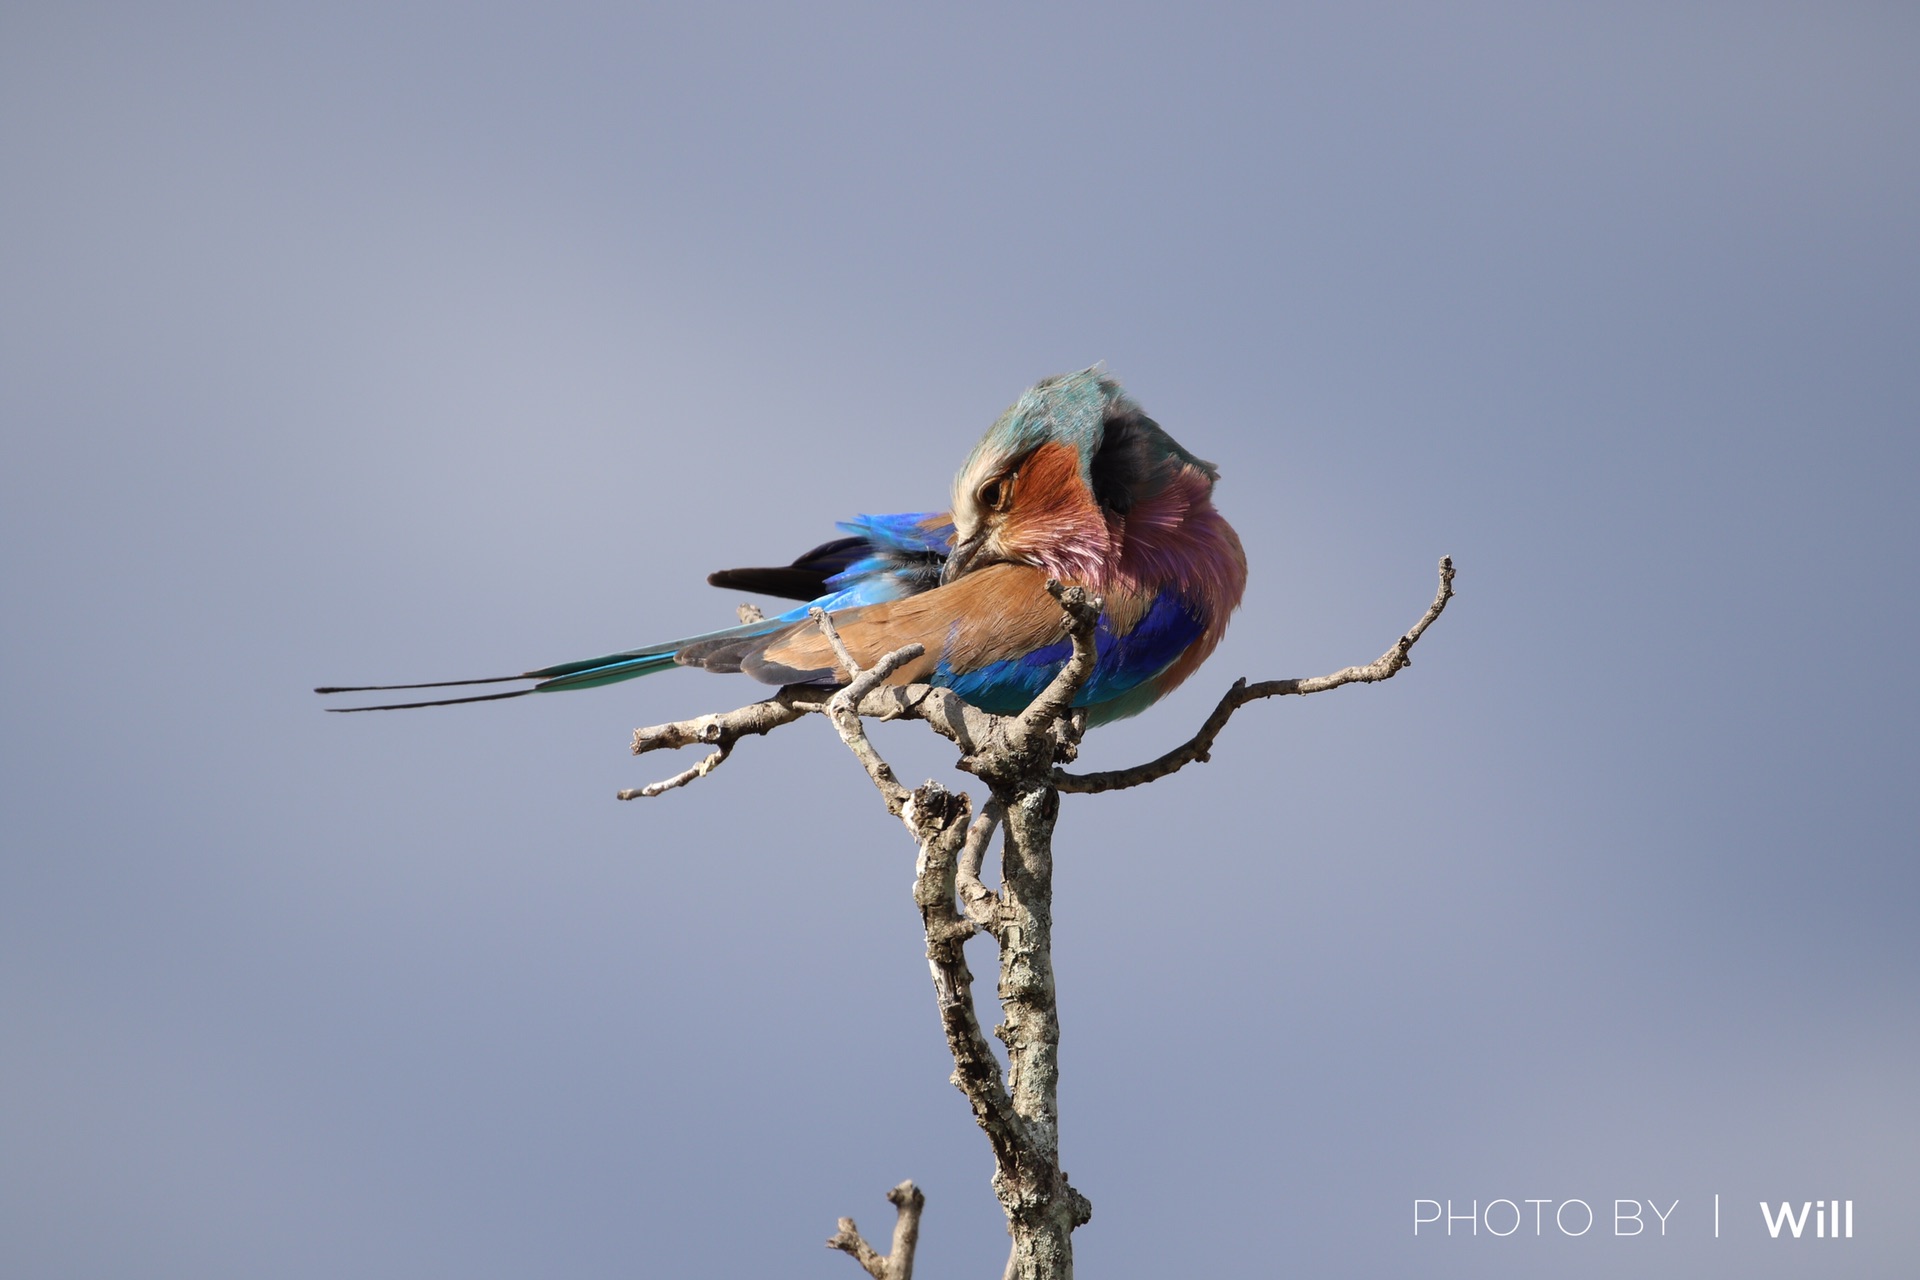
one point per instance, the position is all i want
(343, 343)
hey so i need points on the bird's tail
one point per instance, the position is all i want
(587, 673)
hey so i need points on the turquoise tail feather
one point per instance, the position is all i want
(594, 672)
(586, 673)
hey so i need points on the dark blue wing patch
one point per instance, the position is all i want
(1161, 635)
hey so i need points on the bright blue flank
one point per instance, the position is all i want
(904, 559)
(1123, 661)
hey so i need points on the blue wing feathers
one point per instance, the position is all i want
(883, 558)
(928, 532)
(904, 555)
(1124, 661)
(1107, 498)
(887, 558)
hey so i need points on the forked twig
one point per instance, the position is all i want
(1198, 747)
(1018, 758)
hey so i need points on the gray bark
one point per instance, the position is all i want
(1018, 758)
(897, 1265)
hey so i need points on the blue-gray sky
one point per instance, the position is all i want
(352, 342)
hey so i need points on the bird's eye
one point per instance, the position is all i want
(993, 494)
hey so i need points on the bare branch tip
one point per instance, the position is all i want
(1198, 748)
(832, 633)
(897, 1265)
(1081, 605)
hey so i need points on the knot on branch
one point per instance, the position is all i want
(1016, 755)
(930, 809)
(1035, 1194)
(938, 819)
(1079, 1208)
(1081, 607)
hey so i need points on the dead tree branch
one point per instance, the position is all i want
(1082, 612)
(843, 708)
(1198, 748)
(720, 731)
(1020, 1116)
(981, 904)
(1018, 758)
(898, 1265)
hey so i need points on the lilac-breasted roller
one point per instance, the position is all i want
(1075, 483)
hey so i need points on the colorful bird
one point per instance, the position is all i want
(1074, 483)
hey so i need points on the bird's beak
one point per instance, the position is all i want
(961, 558)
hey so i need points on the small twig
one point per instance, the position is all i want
(981, 904)
(720, 731)
(1018, 1108)
(680, 779)
(1198, 747)
(909, 1200)
(843, 709)
(849, 1240)
(1082, 614)
(832, 633)
(961, 723)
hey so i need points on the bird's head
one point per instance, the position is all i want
(1054, 480)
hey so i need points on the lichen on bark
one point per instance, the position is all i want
(1019, 759)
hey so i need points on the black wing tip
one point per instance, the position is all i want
(787, 583)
